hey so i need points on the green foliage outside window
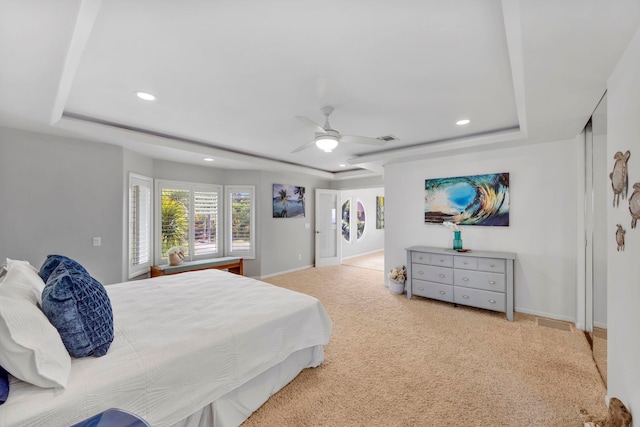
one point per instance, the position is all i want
(175, 219)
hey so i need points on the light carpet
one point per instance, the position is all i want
(372, 261)
(395, 362)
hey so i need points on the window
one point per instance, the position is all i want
(140, 224)
(241, 221)
(188, 217)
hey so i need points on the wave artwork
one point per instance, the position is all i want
(468, 200)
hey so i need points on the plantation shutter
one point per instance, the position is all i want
(205, 208)
(139, 224)
(241, 241)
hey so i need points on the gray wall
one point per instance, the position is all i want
(349, 184)
(141, 165)
(623, 268)
(286, 243)
(279, 241)
(57, 194)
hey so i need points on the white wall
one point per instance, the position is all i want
(623, 268)
(542, 230)
(372, 239)
(57, 194)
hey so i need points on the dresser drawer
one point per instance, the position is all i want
(432, 273)
(480, 280)
(432, 290)
(491, 264)
(465, 262)
(420, 257)
(441, 260)
(482, 299)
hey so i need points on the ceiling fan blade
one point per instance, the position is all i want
(362, 140)
(308, 121)
(305, 146)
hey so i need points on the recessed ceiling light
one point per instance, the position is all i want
(208, 159)
(342, 165)
(463, 122)
(146, 96)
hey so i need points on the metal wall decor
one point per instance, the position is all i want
(634, 204)
(620, 237)
(619, 177)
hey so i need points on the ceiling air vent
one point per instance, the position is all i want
(387, 138)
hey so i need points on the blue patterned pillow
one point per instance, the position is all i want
(4, 385)
(52, 262)
(79, 307)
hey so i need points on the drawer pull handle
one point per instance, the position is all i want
(442, 292)
(441, 260)
(492, 282)
(422, 289)
(441, 275)
(466, 279)
(492, 301)
(420, 272)
(465, 296)
(465, 263)
(492, 265)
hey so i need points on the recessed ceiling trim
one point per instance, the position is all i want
(418, 151)
(513, 32)
(87, 14)
(72, 121)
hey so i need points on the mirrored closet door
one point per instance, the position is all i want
(597, 233)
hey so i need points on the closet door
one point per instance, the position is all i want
(598, 233)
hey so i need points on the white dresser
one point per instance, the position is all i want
(482, 279)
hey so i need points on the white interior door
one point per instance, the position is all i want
(328, 247)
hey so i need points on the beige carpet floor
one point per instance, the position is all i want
(372, 261)
(394, 362)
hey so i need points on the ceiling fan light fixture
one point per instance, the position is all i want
(327, 143)
(146, 96)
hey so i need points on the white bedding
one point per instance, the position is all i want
(169, 360)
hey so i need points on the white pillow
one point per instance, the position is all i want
(24, 280)
(30, 347)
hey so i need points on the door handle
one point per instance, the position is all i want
(317, 232)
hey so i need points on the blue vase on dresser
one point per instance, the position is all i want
(457, 240)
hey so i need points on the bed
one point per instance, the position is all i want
(204, 348)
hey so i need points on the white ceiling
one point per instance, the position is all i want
(230, 76)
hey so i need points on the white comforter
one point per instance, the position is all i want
(181, 342)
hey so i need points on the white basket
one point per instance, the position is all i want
(396, 287)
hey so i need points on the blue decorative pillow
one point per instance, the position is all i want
(79, 307)
(52, 262)
(4, 385)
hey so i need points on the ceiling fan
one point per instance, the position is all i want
(327, 138)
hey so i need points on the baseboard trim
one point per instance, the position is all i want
(547, 315)
(283, 272)
(363, 253)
